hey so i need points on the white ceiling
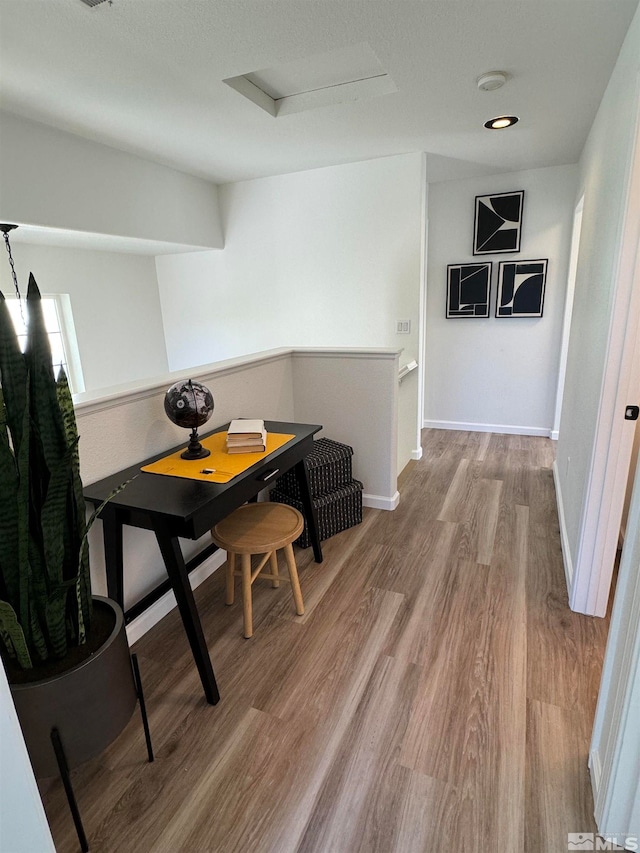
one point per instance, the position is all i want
(146, 76)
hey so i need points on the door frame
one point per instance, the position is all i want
(568, 313)
(602, 514)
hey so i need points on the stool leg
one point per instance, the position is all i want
(273, 560)
(293, 575)
(231, 567)
(246, 596)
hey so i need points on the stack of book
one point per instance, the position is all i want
(246, 436)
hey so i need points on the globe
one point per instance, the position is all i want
(188, 404)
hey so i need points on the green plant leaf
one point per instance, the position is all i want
(45, 584)
(77, 520)
(12, 635)
(56, 610)
(9, 550)
(48, 437)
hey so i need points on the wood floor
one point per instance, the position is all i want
(438, 693)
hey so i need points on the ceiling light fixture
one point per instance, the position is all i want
(492, 80)
(500, 122)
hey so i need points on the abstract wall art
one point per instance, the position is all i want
(468, 290)
(498, 223)
(521, 288)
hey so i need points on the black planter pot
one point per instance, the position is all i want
(89, 705)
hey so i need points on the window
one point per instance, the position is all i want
(58, 319)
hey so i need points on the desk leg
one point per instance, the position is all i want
(309, 509)
(114, 564)
(177, 571)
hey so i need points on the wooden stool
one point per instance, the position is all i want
(259, 528)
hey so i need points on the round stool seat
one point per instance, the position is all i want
(258, 528)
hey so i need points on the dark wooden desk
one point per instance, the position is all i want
(175, 507)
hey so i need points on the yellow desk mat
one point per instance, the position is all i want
(225, 465)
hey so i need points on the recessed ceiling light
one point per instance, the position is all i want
(500, 122)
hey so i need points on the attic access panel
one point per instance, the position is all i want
(338, 77)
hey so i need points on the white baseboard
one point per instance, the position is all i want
(380, 502)
(564, 537)
(508, 429)
(554, 435)
(416, 455)
(145, 622)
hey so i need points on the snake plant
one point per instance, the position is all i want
(45, 594)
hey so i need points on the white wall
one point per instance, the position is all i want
(23, 823)
(115, 305)
(329, 257)
(498, 375)
(355, 396)
(603, 179)
(54, 179)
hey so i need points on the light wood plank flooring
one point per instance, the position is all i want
(438, 693)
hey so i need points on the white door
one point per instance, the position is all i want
(615, 747)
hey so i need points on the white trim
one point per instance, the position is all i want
(564, 536)
(380, 501)
(352, 352)
(145, 622)
(509, 429)
(622, 534)
(568, 312)
(119, 395)
(616, 735)
(422, 301)
(554, 435)
(406, 370)
(613, 443)
(595, 766)
(416, 455)
(69, 340)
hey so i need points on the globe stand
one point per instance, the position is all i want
(195, 450)
(189, 405)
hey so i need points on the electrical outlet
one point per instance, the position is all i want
(403, 327)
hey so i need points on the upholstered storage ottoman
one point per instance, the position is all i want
(328, 468)
(337, 510)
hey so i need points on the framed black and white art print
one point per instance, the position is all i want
(521, 288)
(468, 290)
(498, 223)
